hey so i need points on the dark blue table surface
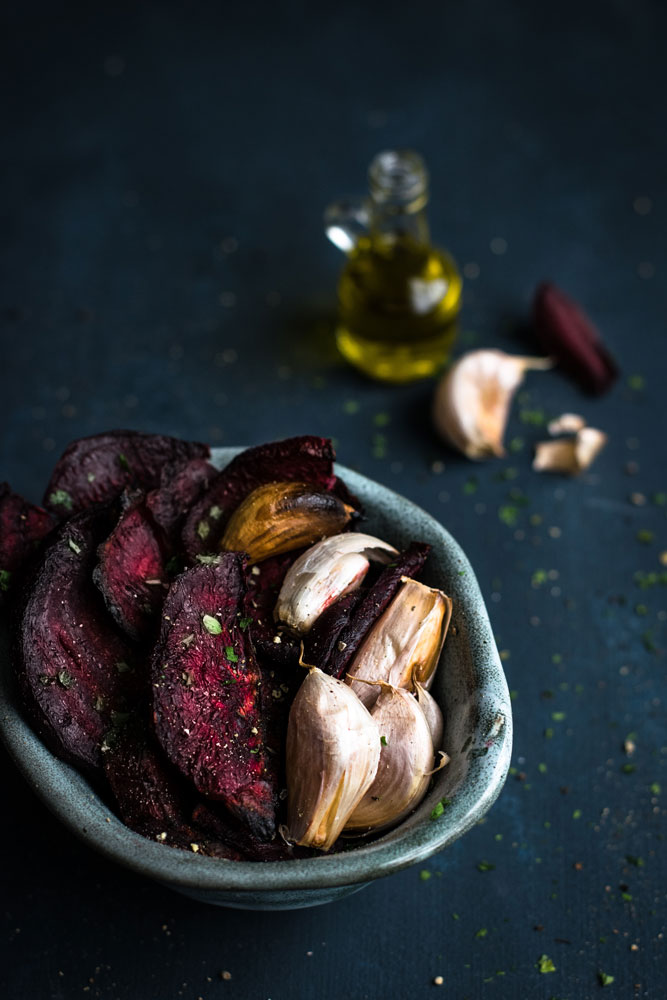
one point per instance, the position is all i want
(163, 268)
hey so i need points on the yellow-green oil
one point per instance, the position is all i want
(398, 305)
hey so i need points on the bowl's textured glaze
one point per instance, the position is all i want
(470, 687)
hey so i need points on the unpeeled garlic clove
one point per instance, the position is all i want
(432, 713)
(570, 456)
(405, 643)
(472, 400)
(329, 569)
(280, 517)
(406, 762)
(333, 751)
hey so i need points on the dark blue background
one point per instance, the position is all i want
(163, 267)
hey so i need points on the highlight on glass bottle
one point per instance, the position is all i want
(398, 296)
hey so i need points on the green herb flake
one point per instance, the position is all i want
(209, 560)
(91, 477)
(61, 498)
(470, 486)
(645, 536)
(516, 444)
(655, 788)
(626, 896)
(122, 461)
(73, 546)
(659, 499)
(548, 733)
(482, 932)
(122, 667)
(212, 625)
(632, 859)
(424, 874)
(244, 622)
(558, 716)
(439, 808)
(5, 577)
(636, 382)
(485, 866)
(383, 741)
(545, 964)
(381, 419)
(187, 640)
(556, 658)
(215, 512)
(576, 814)
(203, 530)
(379, 444)
(65, 679)
(508, 514)
(539, 577)
(535, 418)
(605, 979)
(350, 406)
(229, 652)
(628, 768)
(542, 768)
(455, 916)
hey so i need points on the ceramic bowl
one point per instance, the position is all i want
(469, 685)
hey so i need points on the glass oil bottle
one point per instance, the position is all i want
(398, 296)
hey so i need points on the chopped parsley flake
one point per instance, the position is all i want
(122, 461)
(424, 874)
(229, 653)
(545, 964)
(61, 498)
(482, 932)
(383, 741)
(73, 546)
(203, 530)
(211, 624)
(604, 979)
(485, 866)
(5, 577)
(244, 622)
(439, 808)
(645, 536)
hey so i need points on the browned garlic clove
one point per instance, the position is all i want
(280, 517)
(472, 400)
(405, 643)
(432, 713)
(570, 456)
(333, 751)
(406, 762)
(326, 571)
(567, 423)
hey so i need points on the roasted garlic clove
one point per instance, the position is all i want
(432, 713)
(405, 643)
(569, 456)
(280, 517)
(406, 762)
(333, 751)
(472, 401)
(328, 570)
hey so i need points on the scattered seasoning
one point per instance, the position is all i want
(645, 536)
(545, 964)
(230, 654)
(439, 808)
(605, 979)
(61, 498)
(203, 530)
(73, 546)
(244, 622)
(424, 874)
(655, 788)
(122, 667)
(211, 624)
(485, 866)
(438, 981)
(482, 932)
(539, 577)
(576, 814)
(636, 382)
(5, 577)
(350, 406)
(65, 679)
(381, 419)
(542, 768)
(383, 741)
(628, 768)
(470, 486)
(122, 461)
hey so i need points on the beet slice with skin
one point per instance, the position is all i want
(180, 487)
(306, 459)
(131, 572)
(98, 468)
(74, 668)
(206, 693)
(350, 637)
(22, 528)
(210, 818)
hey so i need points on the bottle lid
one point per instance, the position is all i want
(399, 177)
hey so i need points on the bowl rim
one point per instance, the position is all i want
(68, 794)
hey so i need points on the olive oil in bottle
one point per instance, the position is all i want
(399, 296)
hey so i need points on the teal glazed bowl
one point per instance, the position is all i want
(469, 685)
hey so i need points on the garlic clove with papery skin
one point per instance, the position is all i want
(333, 752)
(472, 400)
(405, 643)
(432, 713)
(406, 762)
(326, 571)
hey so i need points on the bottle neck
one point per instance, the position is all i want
(394, 224)
(398, 182)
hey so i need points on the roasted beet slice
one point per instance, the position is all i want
(211, 819)
(22, 527)
(180, 487)
(76, 671)
(98, 468)
(305, 459)
(206, 693)
(320, 643)
(131, 572)
(367, 612)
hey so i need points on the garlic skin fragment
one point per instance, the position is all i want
(570, 456)
(406, 762)
(333, 752)
(328, 570)
(567, 423)
(432, 713)
(405, 643)
(280, 517)
(472, 400)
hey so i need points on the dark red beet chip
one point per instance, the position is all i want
(320, 643)
(305, 459)
(131, 572)
(375, 601)
(98, 468)
(213, 821)
(206, 693)
(180, 487)
(74, 668)
(22, 527)
(566, 333)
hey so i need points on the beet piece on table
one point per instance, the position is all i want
(206, 693)
(306, 459)
(131, 572)
(181, 485)
(74, 668)
(375, 601)
(22, 527)
(98, 468)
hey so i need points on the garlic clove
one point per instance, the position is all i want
(328, 570)
(280, 517)
(405, 643)
(406, 762)
(570, 456)
(333, 751)
(432, 713)
(472, 400)
(565, 424)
